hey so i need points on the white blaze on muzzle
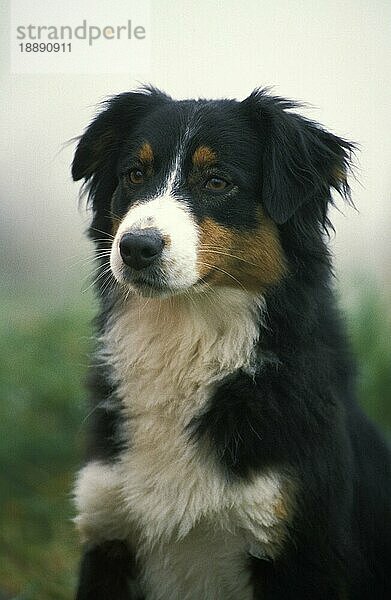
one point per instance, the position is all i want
(174, 221)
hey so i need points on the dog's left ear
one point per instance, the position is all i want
(301, 161)
(98, 147)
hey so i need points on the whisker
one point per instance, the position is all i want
(113, 214)
(127, 294)
(94, 257)
(190, 297)
(108, 284)
(159, 309)
(227, 254)
(225, 272)
(90, 260)
(207, 290)
(105, 272)
(109, 235)
(213, 246)
(105, 265)
(89, 414)
(140, 310)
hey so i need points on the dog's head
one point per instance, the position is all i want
(199, 193)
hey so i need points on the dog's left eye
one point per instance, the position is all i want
(216, 184)
(136, 176)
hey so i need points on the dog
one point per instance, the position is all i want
(228, 458)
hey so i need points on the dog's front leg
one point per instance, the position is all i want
(108, 565)
(107, 573)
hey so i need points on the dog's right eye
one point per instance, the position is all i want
(216, 184)
(136, 176)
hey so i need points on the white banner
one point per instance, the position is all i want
(80, 36)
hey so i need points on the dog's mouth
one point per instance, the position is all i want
(155, 282)
(150, 283)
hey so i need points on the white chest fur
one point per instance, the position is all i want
(193, 528)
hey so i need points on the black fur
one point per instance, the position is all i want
(105, 572)
(298, 411)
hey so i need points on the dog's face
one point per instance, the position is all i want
(186, 209)
(192, 193)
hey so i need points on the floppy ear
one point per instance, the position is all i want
(301, 161)
(101, 142)
(98, 151)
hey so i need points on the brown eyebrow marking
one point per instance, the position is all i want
(204, 156)
(145, 154)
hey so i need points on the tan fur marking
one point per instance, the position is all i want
(248, 259)
(167, 241)
(281, 510)
(145, 154)
(340, 175)
(204, 157)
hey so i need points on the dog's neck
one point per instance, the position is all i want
(194, 339)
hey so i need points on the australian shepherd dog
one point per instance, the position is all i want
(228, 458)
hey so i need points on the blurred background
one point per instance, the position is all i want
(333, 55)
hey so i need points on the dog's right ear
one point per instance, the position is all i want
(301, 161)
(100, 144)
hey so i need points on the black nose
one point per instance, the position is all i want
(141, 248)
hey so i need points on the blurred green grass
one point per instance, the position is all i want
(43, 362)
(369, 326)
